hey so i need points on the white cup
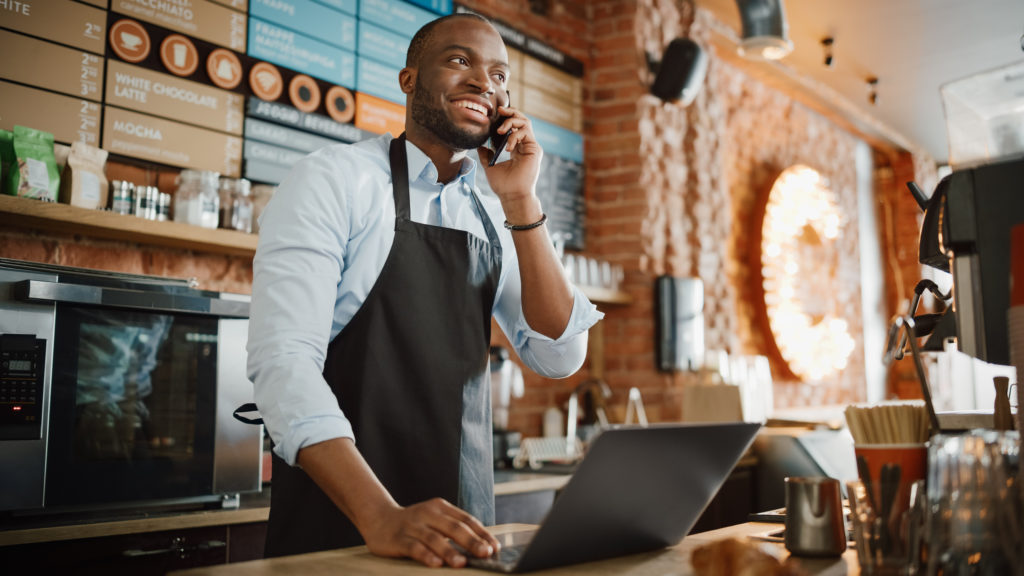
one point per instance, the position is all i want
(180, 53)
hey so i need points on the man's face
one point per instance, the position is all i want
(460, 83)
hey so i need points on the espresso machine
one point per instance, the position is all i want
(966, 233)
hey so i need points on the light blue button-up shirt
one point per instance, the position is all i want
(324, 238)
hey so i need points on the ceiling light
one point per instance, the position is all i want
(872, 83)
(826, 43)
(765, 32)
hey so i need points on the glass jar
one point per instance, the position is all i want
(236, 207)
(196, 200)
(121, 196)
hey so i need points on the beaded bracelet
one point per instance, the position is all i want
(521, 227)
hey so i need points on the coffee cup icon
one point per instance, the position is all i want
(180, 55)
(130, 41)
(225, 69)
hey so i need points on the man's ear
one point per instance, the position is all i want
(407, 80)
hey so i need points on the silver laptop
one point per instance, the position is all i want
(637, 489)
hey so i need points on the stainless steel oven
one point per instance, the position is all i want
(117, 391)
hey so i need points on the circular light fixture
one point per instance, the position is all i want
(800, 273)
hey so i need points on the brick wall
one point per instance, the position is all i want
(673, 190)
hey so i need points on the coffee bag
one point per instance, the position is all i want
(83, 182)
(33, 170)
(6, 158)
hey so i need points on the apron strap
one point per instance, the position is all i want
(400, 178)
(244, 408)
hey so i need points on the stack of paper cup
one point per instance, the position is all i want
(1015, 319)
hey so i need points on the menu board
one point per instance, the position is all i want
(201, 19)
(315, 123)
(63, 21)
(167, 142)
(42, 64)
(302, 53)
(68, 119)
(560, 189)
(247, 87)
(380, 80)
(271, 133)
(164, 95)
(310, 18)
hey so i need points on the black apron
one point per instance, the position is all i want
(410, 372)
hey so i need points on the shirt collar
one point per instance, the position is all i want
(426, 173)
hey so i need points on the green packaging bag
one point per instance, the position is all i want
(33, 172)
(6, 157)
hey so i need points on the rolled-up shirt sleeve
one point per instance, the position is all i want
(550, 357)
(296, 273)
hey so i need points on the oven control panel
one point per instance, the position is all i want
(22, 361)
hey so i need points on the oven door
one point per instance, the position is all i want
(134, 395)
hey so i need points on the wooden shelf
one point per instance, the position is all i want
(599, 295)
(66, 219)
(63, 218)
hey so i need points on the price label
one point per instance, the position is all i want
(69, 119)
(61, 21)
(90, 76)
(46, 65)
(89, 123)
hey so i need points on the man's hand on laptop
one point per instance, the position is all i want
(426, 533)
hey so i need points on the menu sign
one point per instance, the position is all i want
(347, 6)
(316, 123)
(262, 152)
(379, 80)
(176, 98)
(559, 141)
(560, 190)
(531, 46)
(287, 137)
(378, 116)
(242, 5)
(197, 18)
(396, 15)
(167, 142)
(310, 18)
(301, 53)
(40, 63)
(543, 105)
(382, 45)
(68, 119)
(264, 172)
(559, 84)
(62, 21)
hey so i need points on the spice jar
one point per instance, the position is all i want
(196, 201)
(236, 206)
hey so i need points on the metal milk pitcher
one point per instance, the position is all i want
(814, 517)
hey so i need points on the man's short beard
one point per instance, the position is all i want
(432, 118)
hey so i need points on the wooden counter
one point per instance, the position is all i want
(515, 482)
(254, 508)
(672, 561)
(257, 511)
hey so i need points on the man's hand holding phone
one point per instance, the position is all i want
(498, 141)
(514, 180)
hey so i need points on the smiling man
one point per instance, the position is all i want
(379, 268)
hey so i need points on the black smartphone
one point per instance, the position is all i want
(498, 141)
